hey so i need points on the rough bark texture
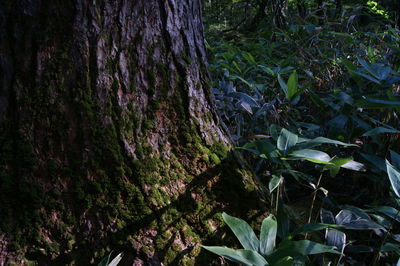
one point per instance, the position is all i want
(107, 135)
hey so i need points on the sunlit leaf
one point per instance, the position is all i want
(292, 86)
(286, 140)
(394, 177)
(242, 231)
(335, 238)
(274, 183)
(312, 156)
(106, 261)
(246, 257)
(245, 98)
(268, 233)
(322, 140)
(353, 165)
(388, 211)
(351, 220)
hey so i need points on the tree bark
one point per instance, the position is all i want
(108, 139)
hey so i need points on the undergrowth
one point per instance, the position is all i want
(314, 109)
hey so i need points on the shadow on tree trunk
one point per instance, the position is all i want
(170, 234)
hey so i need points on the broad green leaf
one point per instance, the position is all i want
(350, 220)
(274, 183)
(309, 228)
(367, 67)
(260, 147)
(242, 231)
(245, 98)
(312, 156)
(300, 248)
(347, 163)
(370, 78)
(246, 257)
(337, 163)
(283, 85)
(338, 121)
(356, 211)
(269, 229)
(335, 238)
(381, 219)
(383, 72)
(284, 70)
(379, 130)
(286, 140)
(353, 165)
(394, 177)
(388, 211)
(246, 107)
(326, 216)
(371, 103)
(360, 123)
(322, 140)
(306, 247)
(292, 86)
(273, 131)
(363, 224)
(266, 147)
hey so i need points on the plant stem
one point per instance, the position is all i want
(277, 199)
(313, 201)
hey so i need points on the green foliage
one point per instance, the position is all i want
(263, 252)
(394, 177)
(314, 98)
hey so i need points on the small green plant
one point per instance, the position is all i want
(263, 251)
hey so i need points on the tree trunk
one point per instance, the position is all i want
(108, 140)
